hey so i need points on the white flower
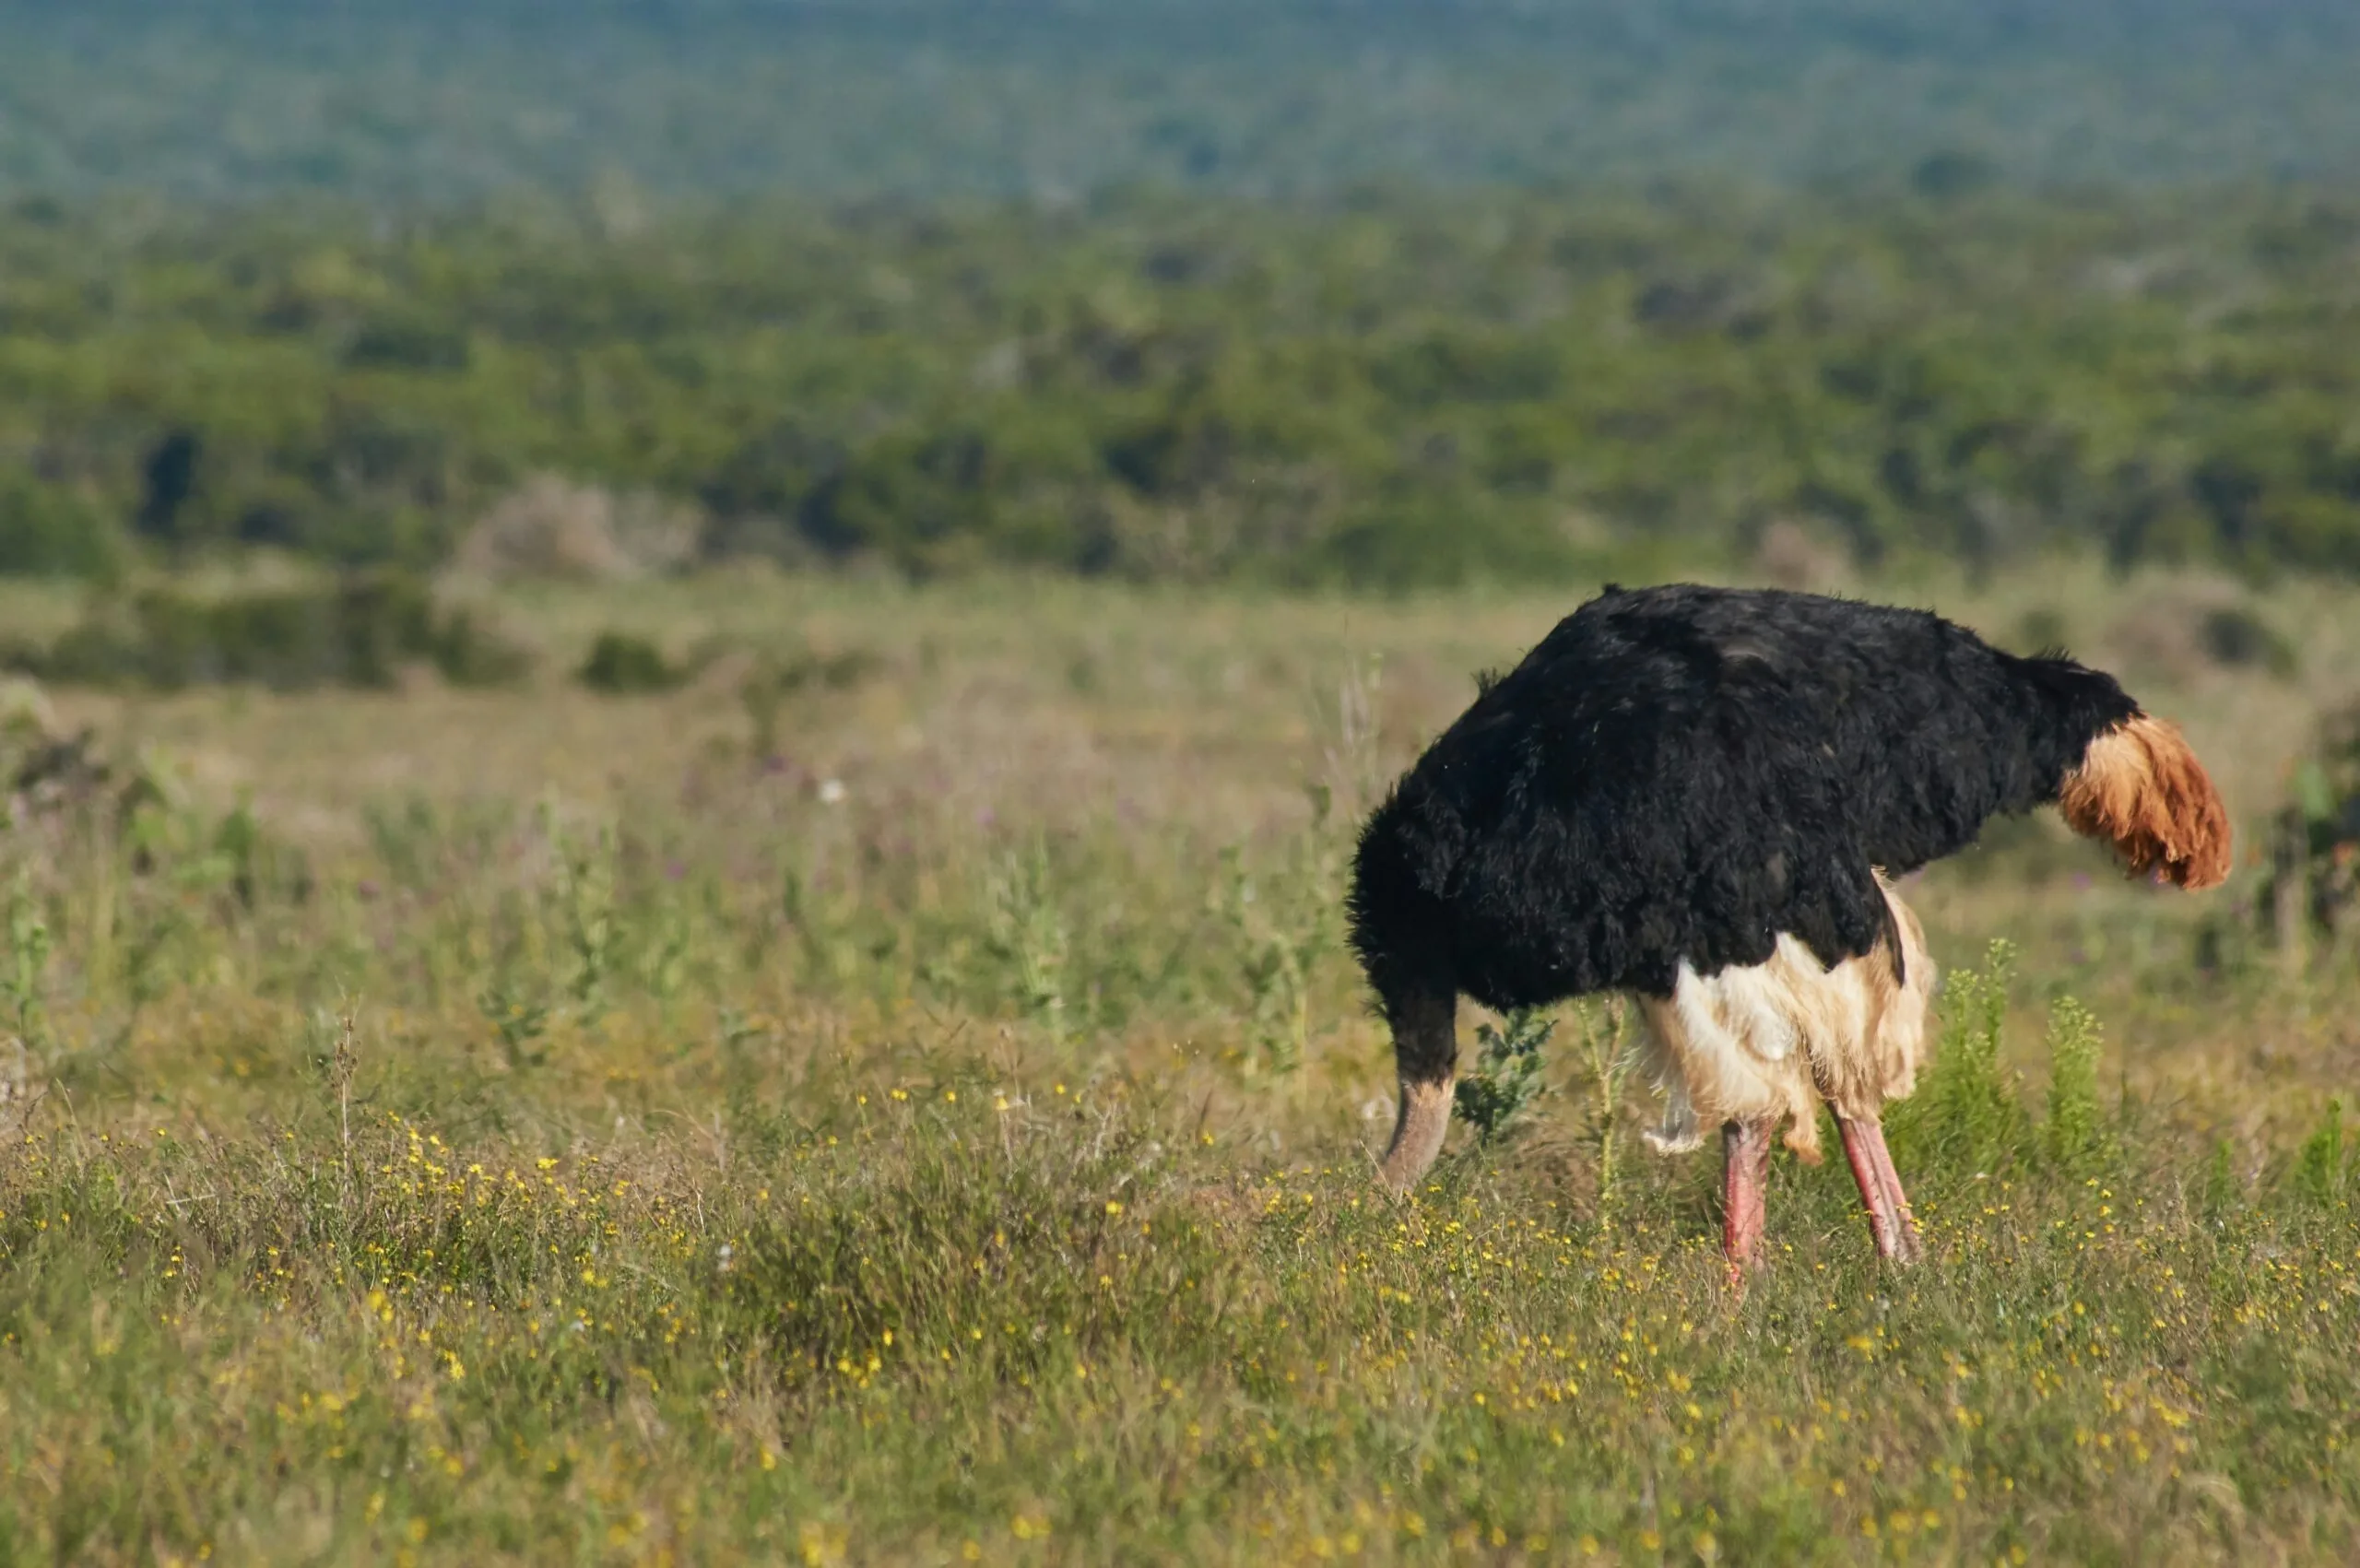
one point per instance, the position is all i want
(831, 791)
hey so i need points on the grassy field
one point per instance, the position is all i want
(901, 1097)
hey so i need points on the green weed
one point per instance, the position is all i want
(2075, 1134)
(1506, 1080)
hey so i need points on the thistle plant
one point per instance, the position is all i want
(1506, 1083)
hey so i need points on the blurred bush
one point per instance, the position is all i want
(623, 665)
(361, 631)
(777, 678)
(47, 770)
(2236, 638)
(2309, 903)
(549, 528)
(2185, 632)
(47, 530)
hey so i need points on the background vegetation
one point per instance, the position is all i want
(1410, 391)
(1380, 293)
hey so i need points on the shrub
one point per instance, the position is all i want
(2189, 633)
(48, 531)
(550, 528)
(2313, 883)
(778, 677)
(623, 665)
(357, 633)
(2237, 638)
(468, 650)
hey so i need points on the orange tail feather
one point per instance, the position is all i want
(2140, 787)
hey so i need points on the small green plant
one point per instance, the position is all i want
(1273, 959)
(335, 1058)
(585, 895)
(1283, 919)
(2075, 1132)
(519, 1023)
(2221, 1193)
(1609, 1062)
(29, 949)
(1029, 935)
(667, 945)
(2318, 1177)
(1967, 1109)
(1506, 1080)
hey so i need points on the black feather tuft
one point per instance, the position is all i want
(1682, 773)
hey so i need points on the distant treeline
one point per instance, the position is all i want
(1383, 391)
(432, 100)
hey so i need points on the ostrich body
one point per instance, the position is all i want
(1697, 795)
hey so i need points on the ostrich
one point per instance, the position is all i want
(1700, 797)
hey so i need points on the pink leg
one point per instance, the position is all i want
(1889, 1218)
(1745, 1179)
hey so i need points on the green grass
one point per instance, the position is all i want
(453, 1126)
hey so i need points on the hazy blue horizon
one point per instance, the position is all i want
(438, 101)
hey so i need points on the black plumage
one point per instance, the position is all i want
(1683, 772)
